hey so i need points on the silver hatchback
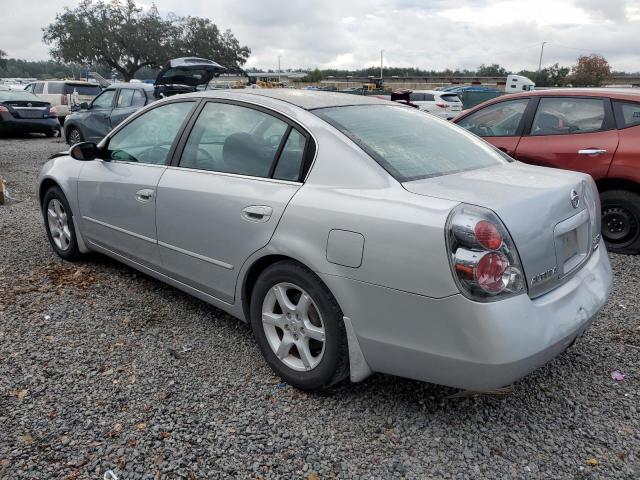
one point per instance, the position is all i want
(355, 235)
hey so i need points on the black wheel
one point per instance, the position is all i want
(74, 136)
(58, 221)
(621, 221)
(51, 133)
(299, 327)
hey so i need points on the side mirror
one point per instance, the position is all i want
(84, 106)
(84, 151)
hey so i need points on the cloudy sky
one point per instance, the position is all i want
(432, 34)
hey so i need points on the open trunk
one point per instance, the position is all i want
(552, 215)
(183, 75)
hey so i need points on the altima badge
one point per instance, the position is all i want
(575, 199)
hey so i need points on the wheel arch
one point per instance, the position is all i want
(45, 185)
(607, 184)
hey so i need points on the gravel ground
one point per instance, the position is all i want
(103, 368)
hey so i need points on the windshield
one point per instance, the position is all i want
(410, 144)
(10, 95)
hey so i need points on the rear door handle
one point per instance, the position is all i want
(592, 151)
(257, 213)
(145, 195)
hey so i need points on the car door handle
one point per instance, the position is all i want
(592, 151)
(257, 213)
(145, 195)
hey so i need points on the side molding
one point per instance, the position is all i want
(359, 369)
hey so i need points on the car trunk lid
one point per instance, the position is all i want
(553, 231)
(27, 108)
(182, 75)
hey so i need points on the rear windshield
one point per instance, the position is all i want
(13, 95)
(410, 144)
(82, 89)
(450, 98)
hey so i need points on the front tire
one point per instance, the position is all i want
(299, 328)
(621, 221)
(58, 222)
(73, 135)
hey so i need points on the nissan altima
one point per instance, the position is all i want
(355, 235)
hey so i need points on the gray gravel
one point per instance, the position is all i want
(103, 368)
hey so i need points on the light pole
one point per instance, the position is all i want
(278, 68)
(381, 53)
(541, 52)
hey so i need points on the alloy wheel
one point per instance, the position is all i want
(58, 224)
(293, 326)
(74, 136)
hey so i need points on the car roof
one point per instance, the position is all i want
(306, 99)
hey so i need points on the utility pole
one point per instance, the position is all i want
(541, 52)
(381, 53)
(278, 68)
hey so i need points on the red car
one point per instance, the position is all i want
(596, 131)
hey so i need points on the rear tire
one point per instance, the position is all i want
(308, 331)
(58, 222)
(621, 221)
(73, 135)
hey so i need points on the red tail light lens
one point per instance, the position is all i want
(64, 100)
(53, 112)
(484, 260)
(488, 235)
(441, 105)
(3, 109)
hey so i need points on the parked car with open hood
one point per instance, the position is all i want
(92, 121)
(23, 112)
(595, 131)
(356, 235)
(64, 94)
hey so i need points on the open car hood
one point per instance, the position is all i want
(182, 75)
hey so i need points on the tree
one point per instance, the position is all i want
(3, 62)
(553, 76)
(494, 70)
(122, 36)
(313, 76)
(590, 71)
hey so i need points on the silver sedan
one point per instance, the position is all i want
(355, 235)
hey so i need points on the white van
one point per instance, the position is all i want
(62, 94)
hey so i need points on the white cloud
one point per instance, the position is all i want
(429, 34)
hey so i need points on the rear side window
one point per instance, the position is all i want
(421, 97)
(627, 113)
(139, 99)
(409, 144)
(566, 116)
(82, 89)
(55, 88)
(39, 88)
(498, 120)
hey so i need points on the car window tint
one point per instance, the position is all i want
(148, 138)
(409, 144)
(55, 88)
(81, 89)
(450, 98)
(290, 160)
(565, 116)
(497, 120)
(39, 88)
(416, 97)
(233, 139)
(139, 99)
(627, 113)
(124, 98)
(104, 100)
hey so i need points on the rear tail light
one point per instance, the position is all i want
(3, 109)
(483, 257)
(441, 104)
(53, 112)
(64, 100)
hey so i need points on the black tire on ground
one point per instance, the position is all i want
(621, 221)
(334, 364)
(71, 251)
(50, 133)
(73, 135)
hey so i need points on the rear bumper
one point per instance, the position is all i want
(479, 346)
(28, 125)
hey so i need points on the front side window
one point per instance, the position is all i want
(234, 139)
(409, 144)
(627, 113)
(148, 138)
(104, 100)
(497, 120)
(566, 116)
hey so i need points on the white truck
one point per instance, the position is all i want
(518, 83)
